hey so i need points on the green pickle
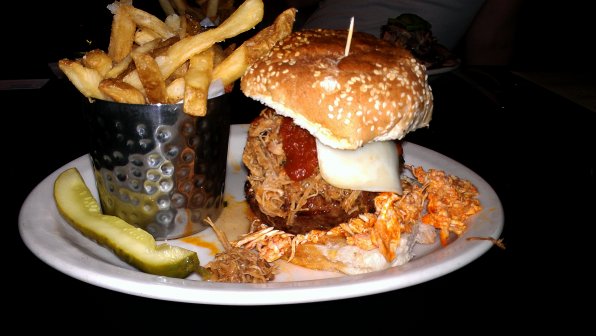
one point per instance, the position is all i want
(132, 244)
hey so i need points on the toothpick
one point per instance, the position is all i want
(349, 37)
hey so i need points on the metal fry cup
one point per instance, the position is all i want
(157, 167)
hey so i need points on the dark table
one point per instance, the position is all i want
(534, 148)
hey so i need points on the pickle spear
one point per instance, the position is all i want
(131, 244)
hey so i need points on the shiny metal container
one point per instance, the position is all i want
(157, 167)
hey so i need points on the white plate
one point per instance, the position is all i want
(55, 242)
(441, 70)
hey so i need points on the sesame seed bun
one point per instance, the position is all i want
(378, 92)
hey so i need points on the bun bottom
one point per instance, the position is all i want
(336, 255)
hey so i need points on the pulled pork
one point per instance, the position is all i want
(292, 206)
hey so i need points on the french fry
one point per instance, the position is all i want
(192, 24)
(225, 8)
(121, 66)
(97, 59)
(219, 54)
(167, 7)
(211, 12)
(183, 27)
(121, 92)
(173, 21)
(145, 35)
(197, 79)
(234, 66)
(122, 34)
(180, 72)
(194, 13)
(248, 15)
(175, 91)
(146, 20)
(163, 45)
(180, 6)
(86, 80)
(172, 61)
(150, 77)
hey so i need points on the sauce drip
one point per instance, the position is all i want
(197, 241)
(300, 148)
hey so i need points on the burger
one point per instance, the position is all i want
(326, 145)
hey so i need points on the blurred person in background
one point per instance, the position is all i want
(481, 32)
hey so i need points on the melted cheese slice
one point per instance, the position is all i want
(372, 167)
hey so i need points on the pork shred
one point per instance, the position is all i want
(278, 196)
(239, 265)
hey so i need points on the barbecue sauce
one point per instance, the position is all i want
(300, 148)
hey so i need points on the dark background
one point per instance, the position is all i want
(522, 151)
(551, 34)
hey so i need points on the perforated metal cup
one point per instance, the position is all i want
(157, 167)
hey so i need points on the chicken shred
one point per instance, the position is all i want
(451, 201)
(443, 201)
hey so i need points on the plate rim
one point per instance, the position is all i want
(442, 70)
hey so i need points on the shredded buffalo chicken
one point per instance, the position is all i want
(435, 198)
(451, 201)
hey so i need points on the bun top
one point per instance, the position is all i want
(378, 92)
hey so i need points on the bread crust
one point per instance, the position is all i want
(378, 92)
